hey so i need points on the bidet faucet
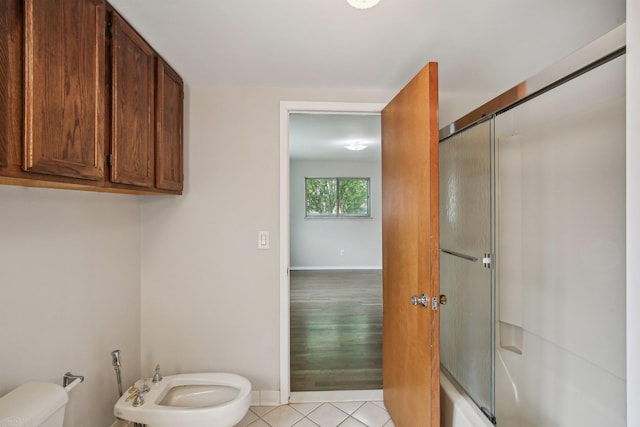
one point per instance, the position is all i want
(115, 360)
(156, 376)
(139, 399)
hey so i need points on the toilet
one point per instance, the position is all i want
(187, 400)
(36, 404)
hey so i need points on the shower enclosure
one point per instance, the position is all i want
(532, 217)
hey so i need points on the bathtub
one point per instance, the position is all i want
(457, 409)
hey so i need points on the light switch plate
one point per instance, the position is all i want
(263, 240)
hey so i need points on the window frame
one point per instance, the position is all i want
(338, 215)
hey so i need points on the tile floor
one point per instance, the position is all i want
(342, 414)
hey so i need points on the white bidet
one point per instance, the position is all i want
(187, 400)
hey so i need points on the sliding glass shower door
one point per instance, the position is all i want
(532, 246)
(466, 276)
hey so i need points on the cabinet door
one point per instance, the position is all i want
(5, 69)
(132, 133)
(64, 88)
(169, 100)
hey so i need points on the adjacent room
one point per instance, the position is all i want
(336, 254)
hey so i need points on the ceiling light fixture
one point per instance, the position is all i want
(363, 4)
(356, 146)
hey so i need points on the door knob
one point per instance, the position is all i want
(423, 299)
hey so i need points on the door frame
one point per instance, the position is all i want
(286, 108)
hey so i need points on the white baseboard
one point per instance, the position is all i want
(335, 396)
(302, 268)
(265, 398)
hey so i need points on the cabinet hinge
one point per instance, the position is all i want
(110, 159)
(109, 29)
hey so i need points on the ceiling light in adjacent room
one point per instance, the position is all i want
(356, 146)
(363, 4)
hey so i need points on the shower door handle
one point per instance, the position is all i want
(422, 299)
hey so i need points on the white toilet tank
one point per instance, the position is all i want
(34, 404)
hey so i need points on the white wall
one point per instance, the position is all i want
(210, 297)
(633, 212)
(69, 293)
(316, 243)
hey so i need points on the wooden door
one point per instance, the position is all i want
(169, 100)
(64, 88)
(132, 110)
(410, 252)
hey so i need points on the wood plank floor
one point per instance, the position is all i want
(336, 330)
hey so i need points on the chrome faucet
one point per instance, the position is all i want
(156, 376)
(115, 360)
(139, 399)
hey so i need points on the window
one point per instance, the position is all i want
(337, 197)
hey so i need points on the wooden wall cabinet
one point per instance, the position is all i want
(75, 97)
(64, 88)
(132, 106)
(169, 125)
(10, 78)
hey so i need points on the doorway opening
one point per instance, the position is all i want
(332, 258)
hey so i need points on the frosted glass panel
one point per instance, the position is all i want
(465, 191)
(561, 254)
(465, 230)
(465, 327)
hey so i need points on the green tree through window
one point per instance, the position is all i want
(337, 197)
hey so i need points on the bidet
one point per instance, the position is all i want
(188, 400)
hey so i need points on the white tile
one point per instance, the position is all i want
(248, 419)
(305, 408)
(258, 423)
(390, 424)
(348, 407)
(327, 415)
(306, 423)
(379, 403)
(283, 416)
(352, 422)
(262, 410)
(372, 415)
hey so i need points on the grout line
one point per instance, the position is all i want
(320, 404)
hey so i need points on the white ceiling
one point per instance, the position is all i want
(482, 47)
(324, 136)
